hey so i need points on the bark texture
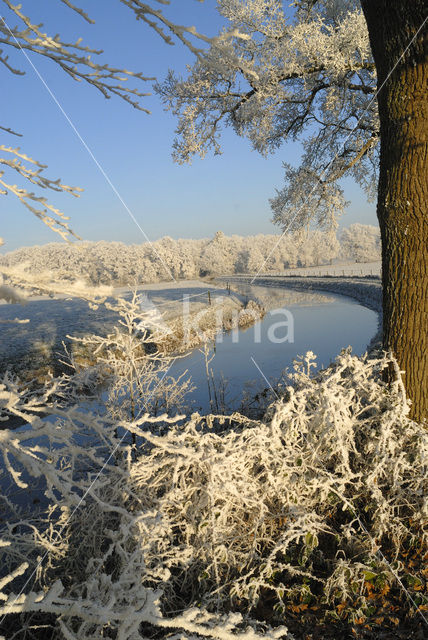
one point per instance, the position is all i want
(403, 184)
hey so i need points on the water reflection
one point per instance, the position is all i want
(323, 324)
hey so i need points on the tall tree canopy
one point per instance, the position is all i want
(273, 78)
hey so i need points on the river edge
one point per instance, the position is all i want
(190, 320)
(35, 345)
(365, 290)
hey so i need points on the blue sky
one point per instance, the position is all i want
(228, 192)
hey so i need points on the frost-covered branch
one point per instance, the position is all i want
(157, 20)
(80, 62)
(274, 78)
(38, 205)
(73, 58)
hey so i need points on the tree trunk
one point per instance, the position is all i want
(403, 185)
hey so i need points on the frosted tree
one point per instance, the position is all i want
(322, 247)
(250, 259)
(361, 242)
(271, 78)
(189, 251)
(311, 74)
(217, 257)
(114, 263)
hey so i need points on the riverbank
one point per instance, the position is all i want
(32, 335)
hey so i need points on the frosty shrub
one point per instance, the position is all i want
(220, 524)
(124, 371)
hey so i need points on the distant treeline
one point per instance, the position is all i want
(120, 264)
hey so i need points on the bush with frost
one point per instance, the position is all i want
(218, 523)
(124, 371)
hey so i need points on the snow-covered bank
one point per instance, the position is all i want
(33, 345)
(366, 291)
(190, 330)
(338, 269)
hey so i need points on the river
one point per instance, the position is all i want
(255, 358)
(296, 322)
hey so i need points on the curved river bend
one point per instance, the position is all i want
(295, 323)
